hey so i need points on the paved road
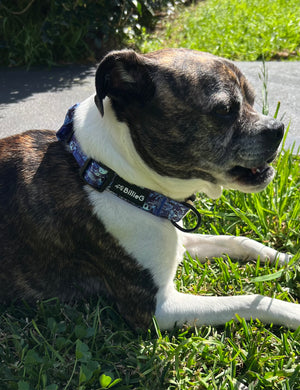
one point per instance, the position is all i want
(39, 98)
(283, 87)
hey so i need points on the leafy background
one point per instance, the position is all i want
(49, 32)
(59, 31)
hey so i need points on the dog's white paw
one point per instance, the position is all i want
(240, 386)
(282, 258)
(267, 253)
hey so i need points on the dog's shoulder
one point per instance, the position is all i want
(25, 141)
(25, 152)
(18, 150)
(34, 167)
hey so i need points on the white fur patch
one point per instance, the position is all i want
(152, 241)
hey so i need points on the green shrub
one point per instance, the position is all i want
(56, 31)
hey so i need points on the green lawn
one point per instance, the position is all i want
(237, 29)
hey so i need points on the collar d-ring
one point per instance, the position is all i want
(196, 213)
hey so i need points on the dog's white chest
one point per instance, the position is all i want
(154, 242)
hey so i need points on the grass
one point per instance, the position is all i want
(236, 29)
(55, 346)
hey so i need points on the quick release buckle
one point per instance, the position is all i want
(84, 167)
(108, 177)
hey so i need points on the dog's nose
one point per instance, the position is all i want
(276, 128)
(271, 131)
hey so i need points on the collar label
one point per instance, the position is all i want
(134, 194)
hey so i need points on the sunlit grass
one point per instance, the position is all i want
(235, 29)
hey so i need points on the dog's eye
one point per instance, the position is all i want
(223, 110)
(226, 111)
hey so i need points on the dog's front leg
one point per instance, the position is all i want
(240, 248)
(174, 308)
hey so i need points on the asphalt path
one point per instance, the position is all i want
(39, 98)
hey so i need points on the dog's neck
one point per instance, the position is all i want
(107, 140)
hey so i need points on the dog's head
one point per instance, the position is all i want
(191, 117)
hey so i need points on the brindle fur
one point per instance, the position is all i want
(51, 243)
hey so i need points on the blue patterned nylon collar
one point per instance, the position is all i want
(103, 178)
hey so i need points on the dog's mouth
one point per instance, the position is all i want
(249, 174)
(252, 176)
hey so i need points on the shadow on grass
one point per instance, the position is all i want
(59, 346)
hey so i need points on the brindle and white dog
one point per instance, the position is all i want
(172, 121)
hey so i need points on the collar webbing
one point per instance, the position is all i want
(103, 178)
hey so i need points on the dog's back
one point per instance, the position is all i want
(52, 245)
(40, 222)
(29, 177)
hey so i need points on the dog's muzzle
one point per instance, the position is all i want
(256, 151)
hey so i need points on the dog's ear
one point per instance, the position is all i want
(124, 76)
